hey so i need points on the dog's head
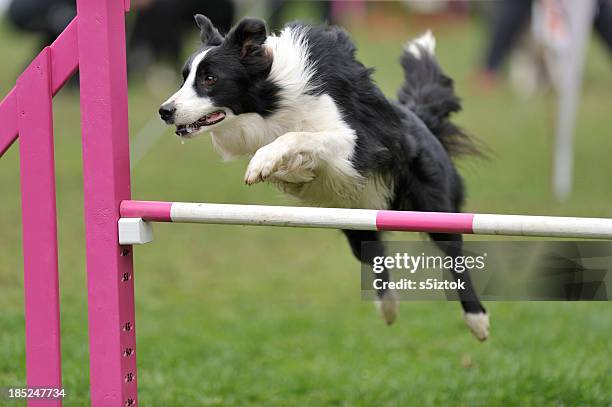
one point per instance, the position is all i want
(226, 77)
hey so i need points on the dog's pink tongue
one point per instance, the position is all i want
(215, 116)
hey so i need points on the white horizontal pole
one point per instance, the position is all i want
(367, 219)
(544, 226)
(361, 219)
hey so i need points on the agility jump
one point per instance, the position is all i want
(135, 216)
(94, 43)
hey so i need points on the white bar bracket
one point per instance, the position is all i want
(135, 231)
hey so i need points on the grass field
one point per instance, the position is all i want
(232, 316)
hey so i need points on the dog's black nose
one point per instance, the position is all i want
(166, 112)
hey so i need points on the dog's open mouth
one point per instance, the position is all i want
(208, 120)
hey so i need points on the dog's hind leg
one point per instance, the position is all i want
(440, 191)
(387, 303)
(475, 314)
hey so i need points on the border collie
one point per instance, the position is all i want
(314, 123)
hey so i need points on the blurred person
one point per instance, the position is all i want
(161, 26)
(510, 17)
(45, 17)
(603, 22)
(157, 32)
(4, 5)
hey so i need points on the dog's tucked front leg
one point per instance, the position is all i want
(294, 157)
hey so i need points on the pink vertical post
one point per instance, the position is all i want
(41, 284)
(106, 171)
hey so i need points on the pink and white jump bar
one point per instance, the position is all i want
(134, 227)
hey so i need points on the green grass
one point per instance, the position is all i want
(232, 316)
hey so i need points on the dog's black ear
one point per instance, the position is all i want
(208, 33)
(249, 35)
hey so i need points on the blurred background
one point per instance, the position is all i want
(263, 316)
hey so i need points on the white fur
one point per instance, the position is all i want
(478, 324)
(388, 306)
(317, 148)
(293, 73)
(426, 41)
(189, 106)
(304, 147)
(291, 68)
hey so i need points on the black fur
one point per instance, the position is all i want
(239, 64)
(209, 35)
(408, 142)
(430, 94)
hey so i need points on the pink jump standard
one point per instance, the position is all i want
(106, 173)
(39, 223)
(95, 42)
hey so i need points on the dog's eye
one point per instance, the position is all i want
(210, 80)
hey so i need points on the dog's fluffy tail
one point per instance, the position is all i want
(430, 94)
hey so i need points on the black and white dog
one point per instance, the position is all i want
(316, 125)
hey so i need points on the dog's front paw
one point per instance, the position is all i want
(262, 165)
(279, 163)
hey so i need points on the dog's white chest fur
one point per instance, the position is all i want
(305, 146)
(311, 147)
